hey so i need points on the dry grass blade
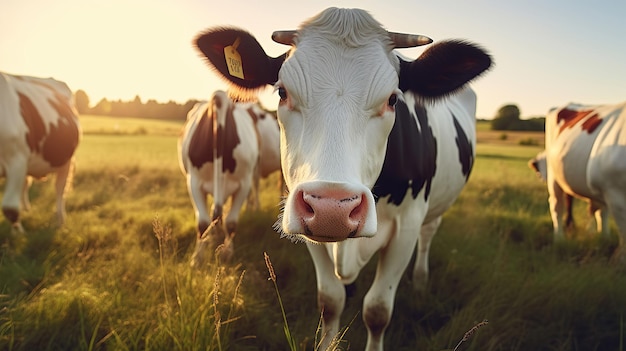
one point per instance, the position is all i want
(270, 268)
(470, 332)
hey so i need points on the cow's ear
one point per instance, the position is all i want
(443, 69)
(256, 68)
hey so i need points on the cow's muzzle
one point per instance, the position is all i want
(330, 212)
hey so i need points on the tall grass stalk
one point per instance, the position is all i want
(216, 312)
(621, 332)
(163, 236)
(91, 343)
(335, 343)
(290, 339)
(470, 332)
(186, 331)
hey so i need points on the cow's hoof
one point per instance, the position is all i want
(17, 229)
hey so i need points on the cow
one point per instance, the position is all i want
(220, 153)
(39, 136)
(374, 147)
(586, 158)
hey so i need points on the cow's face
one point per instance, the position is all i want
(336, 111)
(338, 86)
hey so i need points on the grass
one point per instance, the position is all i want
(117, 276)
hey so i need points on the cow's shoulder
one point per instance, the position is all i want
(410, 161)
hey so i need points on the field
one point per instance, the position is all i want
(117, 275)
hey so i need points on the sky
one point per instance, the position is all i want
(547, 52)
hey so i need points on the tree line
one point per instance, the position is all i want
(133, 108)
(507, 117)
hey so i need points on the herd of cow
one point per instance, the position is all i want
(373, 148)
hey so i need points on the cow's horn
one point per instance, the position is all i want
(403, 40)
(284, 36)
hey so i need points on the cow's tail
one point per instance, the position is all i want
(218, 121)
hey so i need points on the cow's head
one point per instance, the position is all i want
(338, 85)
(539, 164)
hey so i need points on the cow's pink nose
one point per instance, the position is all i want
(330, 215)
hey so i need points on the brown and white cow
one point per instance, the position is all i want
(374, 147)
(224, 148)
(39, 134)
(586, 158)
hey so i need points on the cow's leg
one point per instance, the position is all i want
(420, 270)
(239, 197)
(601, 215)
(556, 202)
(63, 181)
(199, 201)
(331, 294)
(13, 191)
(616, 202)
(569, 218)
(379, 300)
(253, 198)
(25, 198)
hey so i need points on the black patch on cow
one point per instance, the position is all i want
(34, 123)
(466, 151)
(62, 139)
(201, 144)
(57, 145)
(411, 156)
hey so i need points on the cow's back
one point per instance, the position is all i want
(577, 140)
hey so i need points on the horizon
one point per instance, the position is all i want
(546, 54)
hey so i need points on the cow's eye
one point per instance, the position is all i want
(393, 99)
(282, 93)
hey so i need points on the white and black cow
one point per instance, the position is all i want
(586, 158)
(374, 147)
(39, 134)
(224, 148)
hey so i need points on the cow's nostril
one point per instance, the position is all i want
(308, 208)
(358, 211)
(304, 205)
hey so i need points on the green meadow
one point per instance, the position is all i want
(117, 275)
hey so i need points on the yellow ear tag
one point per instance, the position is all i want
(233, 60)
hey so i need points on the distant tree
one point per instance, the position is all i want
(103, 107)
(149, 109)
(82, 101)
(135, 107)
(507, 118)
